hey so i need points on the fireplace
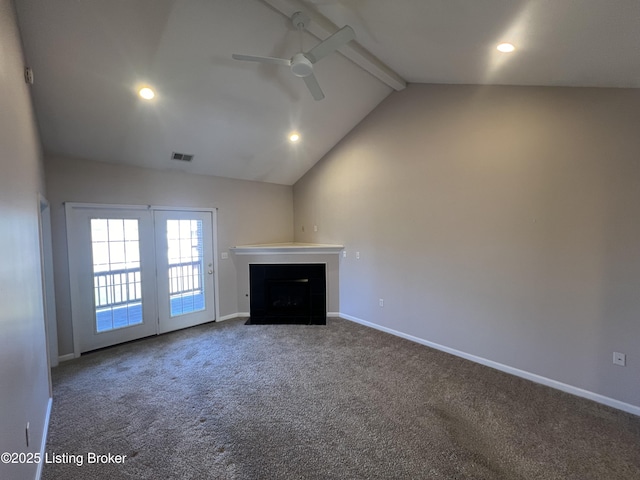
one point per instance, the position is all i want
(287, 293)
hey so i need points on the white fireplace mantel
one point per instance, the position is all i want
(287, 248)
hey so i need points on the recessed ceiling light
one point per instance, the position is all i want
(506, 47)
(146, 93)
(294, 137)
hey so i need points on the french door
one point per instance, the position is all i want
(185, 268)
(137, 271)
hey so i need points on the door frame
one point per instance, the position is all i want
(71, 248)
(48, 289)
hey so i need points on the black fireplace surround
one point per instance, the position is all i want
(287, 293)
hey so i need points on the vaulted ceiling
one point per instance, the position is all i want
(90, 57)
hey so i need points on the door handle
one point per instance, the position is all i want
(210, 272)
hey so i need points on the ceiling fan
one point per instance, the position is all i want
(301, 63)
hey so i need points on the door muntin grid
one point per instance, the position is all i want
(185, 256)
(117, 289)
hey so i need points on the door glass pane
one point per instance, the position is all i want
(116, 273)
(186, 266)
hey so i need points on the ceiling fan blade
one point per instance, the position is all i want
(331, 44)
(313, 86)
(252, 58)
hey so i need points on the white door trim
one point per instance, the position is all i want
(48, 291)
(106, 206)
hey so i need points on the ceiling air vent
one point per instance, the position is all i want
(182, 157)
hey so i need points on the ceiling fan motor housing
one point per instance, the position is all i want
(300, 20)
(301, 66)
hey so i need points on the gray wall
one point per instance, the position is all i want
(502, 222)
(24, 383)
(248, 212)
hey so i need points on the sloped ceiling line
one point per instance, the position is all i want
(322, 27)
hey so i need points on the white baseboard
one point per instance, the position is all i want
(66, 358)
(333, 314)
(43, 443)
(233, 315)
(596, 397)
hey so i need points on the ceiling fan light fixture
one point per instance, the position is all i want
(301, 66)
(506, 47)
(146, 93)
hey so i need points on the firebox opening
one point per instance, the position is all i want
(287, 294)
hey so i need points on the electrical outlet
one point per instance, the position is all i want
(619, 359)
(357, 255)
(381, 302)
(344, 254)
(315, 228)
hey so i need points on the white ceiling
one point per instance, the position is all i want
(90, 56)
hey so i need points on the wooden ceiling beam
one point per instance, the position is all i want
(322, 27)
